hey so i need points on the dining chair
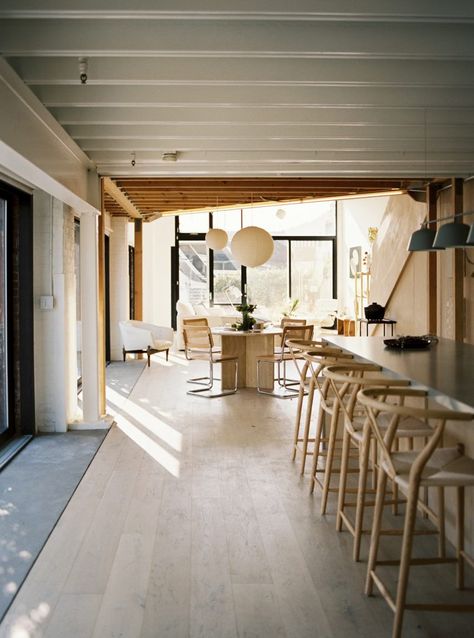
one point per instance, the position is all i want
(429, 466)
(285, 386)
(346, 380)
(199, 345)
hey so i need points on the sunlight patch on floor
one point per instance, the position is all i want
(153, 424)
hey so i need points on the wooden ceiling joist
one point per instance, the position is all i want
(155, 196)
(113, 192)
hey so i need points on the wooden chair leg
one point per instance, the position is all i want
(460, 538)
(441, 524)
(376, 528)
(362, 487)
(307, 425)
(167, 353)
(124, 354)
(148, 357)
(343, 479)
(316, 449)
(299, 411)
(330, 456)
(407, 544)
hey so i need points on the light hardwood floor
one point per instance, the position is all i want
(193, 522)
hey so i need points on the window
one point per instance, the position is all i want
(193, 272)
(312, 273)
(302, 266)
(268, 285)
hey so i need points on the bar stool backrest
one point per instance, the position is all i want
(348, 378)
(396, 407)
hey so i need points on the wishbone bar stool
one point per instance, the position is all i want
(429, 466)
(347, 380)
(317, 360)
(298, 348)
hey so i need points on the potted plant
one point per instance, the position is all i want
(247, 320)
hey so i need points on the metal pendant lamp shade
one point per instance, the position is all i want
(451, 235)
(470, 237)
(422, 239)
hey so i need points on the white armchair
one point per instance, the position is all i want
(138, 337)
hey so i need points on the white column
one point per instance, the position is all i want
(91, 417)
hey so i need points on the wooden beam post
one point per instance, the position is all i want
(458, 207)
(101, 301)
(431, 200)
(138, 283)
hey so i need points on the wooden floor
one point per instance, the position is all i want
(192, 521)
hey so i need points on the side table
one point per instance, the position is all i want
(374, 322)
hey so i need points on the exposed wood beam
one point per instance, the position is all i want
(122, 200)
(138, 270)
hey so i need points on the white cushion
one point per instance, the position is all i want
(185, 309)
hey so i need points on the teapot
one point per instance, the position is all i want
(374, 312)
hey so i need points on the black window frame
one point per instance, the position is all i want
(243, 273)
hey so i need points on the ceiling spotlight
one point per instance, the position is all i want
(83, 70)
(133, 162)
(170, 156)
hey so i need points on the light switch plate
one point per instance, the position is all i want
(46, 302)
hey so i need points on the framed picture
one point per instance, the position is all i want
(355, 260)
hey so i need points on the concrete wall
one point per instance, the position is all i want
(55, 329)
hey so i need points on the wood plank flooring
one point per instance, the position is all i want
(192, 522)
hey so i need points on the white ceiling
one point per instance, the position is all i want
(255, 87)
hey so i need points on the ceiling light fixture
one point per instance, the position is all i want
(83, 63)
(452, 235)
(170, 156)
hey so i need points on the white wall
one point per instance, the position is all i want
(158, 237)
(54, 330)
(354, 216)
(28, 128)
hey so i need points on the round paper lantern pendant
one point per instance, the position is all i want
(252, 246)
(216, 239)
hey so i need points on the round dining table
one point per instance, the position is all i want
(247, 346)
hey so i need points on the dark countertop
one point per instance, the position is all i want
(445, 368)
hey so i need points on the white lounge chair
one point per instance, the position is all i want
(138, 337)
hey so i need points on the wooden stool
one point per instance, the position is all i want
(347, 380)
(327, 406)
(430, 466)
(316, 355)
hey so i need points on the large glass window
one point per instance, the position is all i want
(268, 285)
(302, 266)
(294, 220)
(227, 278)
(311, 273)
(194, 223)
(193, 272)
(3, 320)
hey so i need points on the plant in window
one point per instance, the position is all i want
(290, 310)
